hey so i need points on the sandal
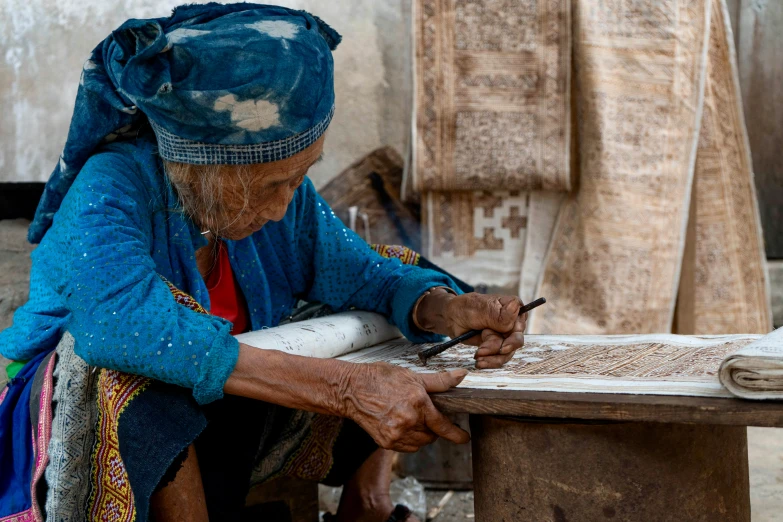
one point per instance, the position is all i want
(400, 514)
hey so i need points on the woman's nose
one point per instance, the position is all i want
(279, 206)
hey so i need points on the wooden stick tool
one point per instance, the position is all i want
(440, 348)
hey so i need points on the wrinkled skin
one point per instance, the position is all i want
(248, 196)
(409, 420)
(502, 328)
(390, 403)
(393, 405)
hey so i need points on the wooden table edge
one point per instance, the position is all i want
(612, 407)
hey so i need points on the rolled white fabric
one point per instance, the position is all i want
(756, 371)
(325, 337)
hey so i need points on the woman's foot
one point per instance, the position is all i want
(365, 496)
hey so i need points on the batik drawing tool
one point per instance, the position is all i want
(440, 348)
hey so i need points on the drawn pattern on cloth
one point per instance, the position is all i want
(492, 94)
(478, 236)
(73, 436)
(617, 252)
(723, 287)
(657, 364)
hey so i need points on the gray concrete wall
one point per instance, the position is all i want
(43, 44)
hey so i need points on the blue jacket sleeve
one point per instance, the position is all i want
(123, 315)
(343, 271)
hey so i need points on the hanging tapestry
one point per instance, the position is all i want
(492, 95)
(662, 148)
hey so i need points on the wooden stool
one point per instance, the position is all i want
(283, 499)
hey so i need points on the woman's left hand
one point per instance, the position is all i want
(502, 328)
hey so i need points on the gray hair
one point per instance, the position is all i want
(203, 195)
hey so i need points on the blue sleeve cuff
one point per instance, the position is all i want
(411, 288)
(217, 365)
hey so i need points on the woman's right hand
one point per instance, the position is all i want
(393, 406)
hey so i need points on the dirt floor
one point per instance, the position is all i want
(458, 509)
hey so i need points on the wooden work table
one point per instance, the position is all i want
(547, 456)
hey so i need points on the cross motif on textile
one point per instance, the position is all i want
(489, 202)
(489, 241)
(514, 222)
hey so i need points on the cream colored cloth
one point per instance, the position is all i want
(477, 236)
(484, 237)
(324, 337)
(745, 365)
(756, 370)
(492, 88)
(664, 214)
(662, 149)
(542, 211)
(749, 366)
(492, 123)
(657, 364)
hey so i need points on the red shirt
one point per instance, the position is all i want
(226, 298)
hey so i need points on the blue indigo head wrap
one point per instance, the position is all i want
(219, 84)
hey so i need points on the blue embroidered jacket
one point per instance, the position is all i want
(96, 273)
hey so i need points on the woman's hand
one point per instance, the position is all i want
(502, 329)
(388, 402)
(393, 406)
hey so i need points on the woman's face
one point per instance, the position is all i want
(249, 196)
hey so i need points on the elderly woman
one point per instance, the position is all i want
(192, 137)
